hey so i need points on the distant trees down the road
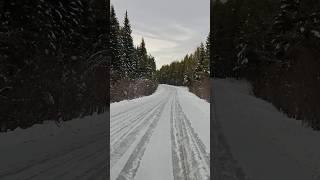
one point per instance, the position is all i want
(192, 71)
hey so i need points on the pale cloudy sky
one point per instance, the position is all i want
(171, 28)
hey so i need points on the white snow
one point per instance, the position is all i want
(265, 142)
(144, 125)
(156, 163)
(198, 111)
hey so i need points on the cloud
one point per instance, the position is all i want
(172, 32)
(184, 33)
(171, 28)
(154, 44)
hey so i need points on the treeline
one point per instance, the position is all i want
(52, 60)
(192, 71)
(276, 45)
(132, 72)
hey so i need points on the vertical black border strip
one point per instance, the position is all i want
(212, 121)
(107, 4)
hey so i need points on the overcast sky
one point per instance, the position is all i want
(171, 28)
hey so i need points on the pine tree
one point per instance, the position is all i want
(208, 47)
(153, 67)
(142, 60)
(115, 46)
(208, 50)
(128, 51)
(203, 65)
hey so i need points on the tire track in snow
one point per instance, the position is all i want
(122, 143)
(130, 169)
(119, 144)
(125, 112)
(122, 117)
(125, 127)
(189, 157)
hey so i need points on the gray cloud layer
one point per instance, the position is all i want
(171, 28)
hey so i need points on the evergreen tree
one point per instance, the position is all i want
(146, 66)
(193, 67)
(203, 64)
(151, 67)
(142, 60)
(208, 47)
(116, 64)
(128, 51)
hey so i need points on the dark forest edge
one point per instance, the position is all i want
(192, 71)
(275, 45)
(133, 70)
(53, 63)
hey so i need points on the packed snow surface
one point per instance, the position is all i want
(264, 143)
(162, 136)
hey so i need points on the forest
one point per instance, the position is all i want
(192, 71)
(275, 44)
(132, 70)
(53, 61)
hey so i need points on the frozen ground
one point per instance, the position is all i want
(162, 136)
(253, 140)
(76, 150)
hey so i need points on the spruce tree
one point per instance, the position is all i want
(208, 47)
(208, 50)
(128, 51)
(115, 46)
(142, 59)
(150, 67)
(203, 65)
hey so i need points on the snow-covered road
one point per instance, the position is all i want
(162, 136)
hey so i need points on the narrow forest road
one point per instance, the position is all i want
(162, 136)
